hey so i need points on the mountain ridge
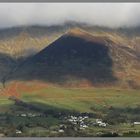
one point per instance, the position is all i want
(122, 52)
(76, 56)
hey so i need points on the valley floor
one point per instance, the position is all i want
(40, 109)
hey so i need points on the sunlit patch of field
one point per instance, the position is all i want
(16, 88)
(80, 99)
(5, 104)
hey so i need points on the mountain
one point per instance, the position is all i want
(18, 44)
(79, 56)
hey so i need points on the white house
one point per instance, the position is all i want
(86, 117)
(23, 115)
(98, 121)
(136, 123)
(61, 131)
(102, 124)
(85, 126)
(18, 132)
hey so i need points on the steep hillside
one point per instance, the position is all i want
(6, 65)
(22, 42)
(79, 56)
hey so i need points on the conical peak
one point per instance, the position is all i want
(80, 33)
(76, 31)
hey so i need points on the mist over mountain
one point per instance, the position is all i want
(44, 14)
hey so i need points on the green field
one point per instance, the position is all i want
(84, 100)
(118, 107)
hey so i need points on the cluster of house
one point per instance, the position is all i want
(84, 124)
(78, 121)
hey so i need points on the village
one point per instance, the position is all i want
(77, 122)
(66, 123)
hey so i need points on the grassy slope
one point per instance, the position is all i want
(77, 99)
(83, 99)
(4, 104)
(80, 99)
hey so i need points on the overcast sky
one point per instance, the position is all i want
(102, 14)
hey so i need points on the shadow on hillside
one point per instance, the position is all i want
(6, 65)
(67, 59)
(46, 110)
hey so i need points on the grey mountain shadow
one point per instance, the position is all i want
(81, 56)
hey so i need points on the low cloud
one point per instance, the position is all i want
(101, 14)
